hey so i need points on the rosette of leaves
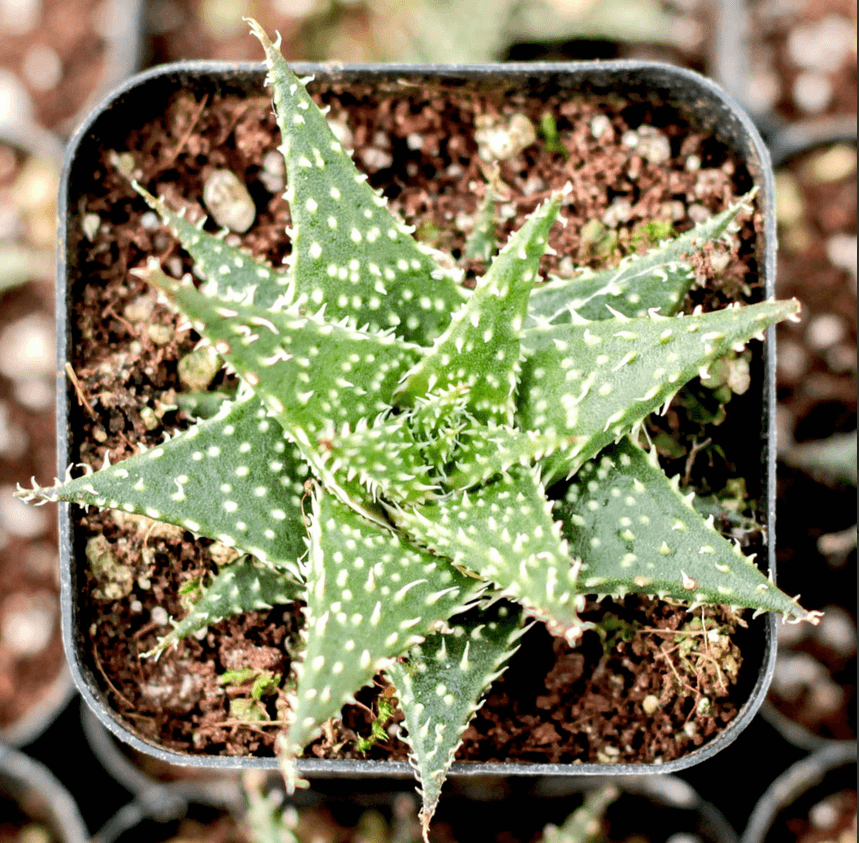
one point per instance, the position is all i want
(425, 423)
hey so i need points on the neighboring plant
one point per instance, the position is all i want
(387, 457)
(585, 824)
(267, 819)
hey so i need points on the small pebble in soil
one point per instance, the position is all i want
(650, 704)
(27, 622)
(18, 519)
(600, 125)
(500, 137)
(650, 144)
(27, 348)
(618, 212)
(692, 164)
(115, 580)
(159, 615)
(90, 225)
(150, 221)
(273, 173)
(139, 309)
(159, 334)
(174, 686)
(197, 368)
(377, 159)
(229, 201)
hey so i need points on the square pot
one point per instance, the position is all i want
(641, 85)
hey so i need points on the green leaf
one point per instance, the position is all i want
(384, 456)
(488, 450)
(504, 532)
(660, 278)
(480, 348)
(595, 380)
(370, 597)
(635, 532)
(348, 250)
(231, 272)
(243, 586)
(312, 375)
(440, 685)
(481, 243)
(585, 824)
(436, 422)
(233, 478)
(203, 405)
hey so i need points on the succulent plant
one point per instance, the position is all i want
(585, 824)
(425, 422)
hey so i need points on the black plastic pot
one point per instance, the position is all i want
(37, 796)
(133, 104)
(220, 785)
(154, 816)
(821, 774)
(655, 806)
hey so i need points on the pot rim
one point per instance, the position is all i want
(798, 779)
(60, 809)
(668, 83)
(170, 801)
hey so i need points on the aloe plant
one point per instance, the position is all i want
(425, 424)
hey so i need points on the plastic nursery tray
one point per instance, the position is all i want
(140, 99)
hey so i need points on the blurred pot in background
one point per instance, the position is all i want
(34, 805)
(35, 683)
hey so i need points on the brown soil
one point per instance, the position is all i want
(68, 28)
(434, 179)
